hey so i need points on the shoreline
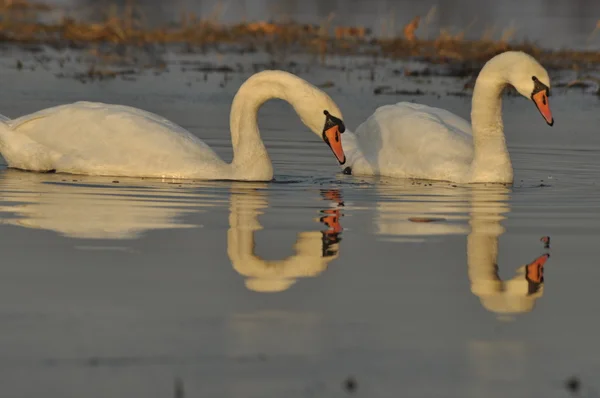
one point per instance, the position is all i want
(20, 24)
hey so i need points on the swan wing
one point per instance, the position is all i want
(96, 138)
(416, 141)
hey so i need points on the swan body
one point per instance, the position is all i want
(408, 140)
(115, 140)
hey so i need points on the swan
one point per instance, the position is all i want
(408, 140)
(115, 140)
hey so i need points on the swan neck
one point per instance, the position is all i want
(249, 152)
(487, 212)
(486, 107)
(491, 161)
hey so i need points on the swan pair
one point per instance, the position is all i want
(404, 140)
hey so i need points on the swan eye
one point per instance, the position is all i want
(539, 86)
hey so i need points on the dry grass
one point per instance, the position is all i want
(321, 40)
(20, 5)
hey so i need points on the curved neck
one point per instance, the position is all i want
(250, 157)
(491, 161)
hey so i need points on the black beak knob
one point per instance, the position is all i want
(331, 121)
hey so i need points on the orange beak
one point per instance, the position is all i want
(332, 137)
(541, 101)
(535, 269)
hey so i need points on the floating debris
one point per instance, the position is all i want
(387, 90)
(425, 219)
(178, 388)
(546, 241)
(99, 74)
(350, 384)
(573, 384)
(458, 94)
(327, 84)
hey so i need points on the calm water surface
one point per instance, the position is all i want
(116, 287)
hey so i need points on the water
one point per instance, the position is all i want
(135, 287)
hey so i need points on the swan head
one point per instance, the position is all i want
(320, 114)
(531, 80)
(317, 111)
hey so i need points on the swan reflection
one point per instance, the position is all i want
(314, 250)
(411, 213)
(516, 295)
(96, 208)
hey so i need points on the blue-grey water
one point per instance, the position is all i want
(117, 287)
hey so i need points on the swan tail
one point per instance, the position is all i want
(21, 152)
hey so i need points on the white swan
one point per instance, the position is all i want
(102, 139)
(409, 140)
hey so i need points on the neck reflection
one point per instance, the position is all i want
(512, 296)
(314, 250)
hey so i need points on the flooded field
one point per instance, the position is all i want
(317, 283)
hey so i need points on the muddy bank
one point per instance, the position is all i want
(24, 23)
(121, 45)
